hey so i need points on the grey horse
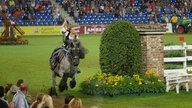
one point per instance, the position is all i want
(63, 63)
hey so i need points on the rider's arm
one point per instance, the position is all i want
(64, 28)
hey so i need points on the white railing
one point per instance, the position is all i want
(174, 77)
(184, 59)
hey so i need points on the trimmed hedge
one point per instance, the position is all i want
(120, 49)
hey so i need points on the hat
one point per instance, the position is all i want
(14, 88)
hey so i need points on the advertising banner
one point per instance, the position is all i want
(41, 30)
(56, 30)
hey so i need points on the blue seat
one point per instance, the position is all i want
(95, 22)
(90, 22)
(50, 22)
(86, 22)
(78, 19)
(81, 22)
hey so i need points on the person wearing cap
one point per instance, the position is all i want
(19, 99)
(3, 102)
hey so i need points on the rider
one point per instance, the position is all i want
(68, 35)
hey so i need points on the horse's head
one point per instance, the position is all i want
(74, 49)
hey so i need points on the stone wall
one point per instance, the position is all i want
(152, 42)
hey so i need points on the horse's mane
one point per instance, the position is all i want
(82, 50)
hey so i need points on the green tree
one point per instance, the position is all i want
(120, 49)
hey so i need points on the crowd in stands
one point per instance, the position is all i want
(16, 96)
(30, 12)
(43, 12)
(125, 9)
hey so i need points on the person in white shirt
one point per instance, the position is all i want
(68, 32)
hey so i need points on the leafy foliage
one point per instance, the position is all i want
(120, 49)
(111, 85)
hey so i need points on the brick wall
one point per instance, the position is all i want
(153, 51)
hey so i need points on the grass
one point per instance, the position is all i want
(31, 63)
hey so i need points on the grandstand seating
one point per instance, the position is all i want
(43, 18)
(91, 19)
(46, 18)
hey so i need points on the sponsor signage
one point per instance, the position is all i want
(56, 30)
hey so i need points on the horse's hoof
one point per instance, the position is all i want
(52, 91)
(72, 83)
(63, 87)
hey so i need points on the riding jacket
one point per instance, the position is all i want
(66, 36)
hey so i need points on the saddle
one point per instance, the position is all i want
(56, 57)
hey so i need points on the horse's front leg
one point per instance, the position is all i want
(53, 79)
(73, 81)
(63, 83)
(52, 91)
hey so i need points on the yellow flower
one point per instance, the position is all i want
(96, 85)
(86, 78)
(140, 82)
(151, 72)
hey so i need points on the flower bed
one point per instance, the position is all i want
(13, 41)
(111, 85)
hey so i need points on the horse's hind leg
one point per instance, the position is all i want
(63, 83)
(52, 91)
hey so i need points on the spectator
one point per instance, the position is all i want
(3, 102)
(40, 9)
(19, 99)
(149, 9)
(81, 13)
(26, 18)
(137, 10)
(49, 3)
(60, 20)
(151, 19)
(67, 100)
(7, 88)
(117, 13)
(17, 12)
(155, 18)
(174, 21)
(42, 100)
(12, 91)
(75, 103)
(164, 18)
(33, 17)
